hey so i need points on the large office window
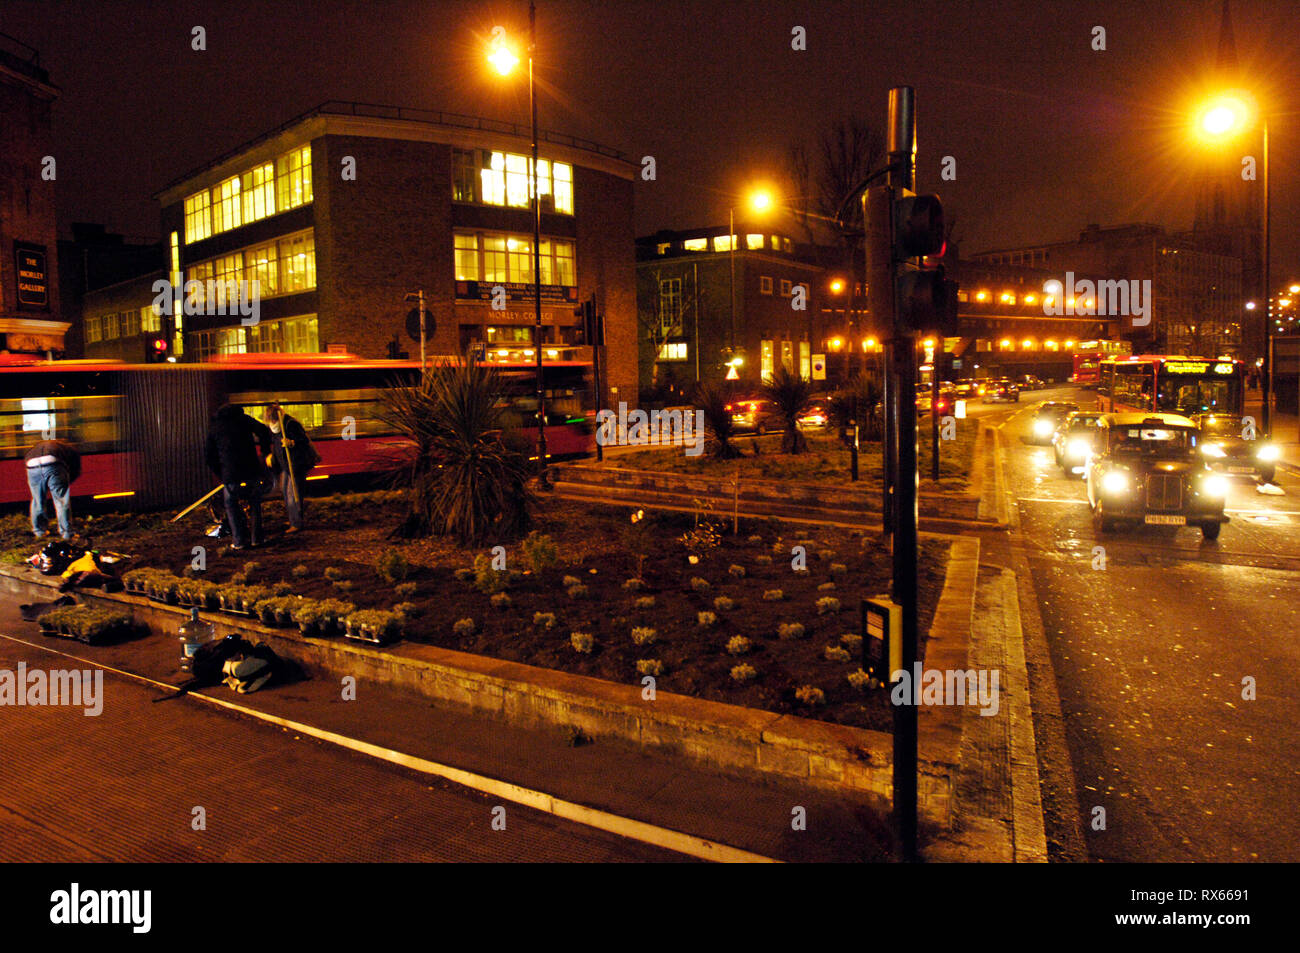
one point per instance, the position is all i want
(257, 193)
(670, 307)
(257, 187)
(226, 208)
(298, 262)
(805, 360)
(281, 267)
(505, 178)
(462, 175)
(293, 179)
(765, 368)
(198, 220)
(499, 257)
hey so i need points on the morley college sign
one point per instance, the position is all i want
(33, 277)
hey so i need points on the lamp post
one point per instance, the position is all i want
(505, 61)
(759, 201)
(1223, 117)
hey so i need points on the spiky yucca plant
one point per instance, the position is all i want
(718, 426)
(791, 395)
(467, 474)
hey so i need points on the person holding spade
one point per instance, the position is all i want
(292, 457)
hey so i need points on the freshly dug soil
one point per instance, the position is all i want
(601, 547)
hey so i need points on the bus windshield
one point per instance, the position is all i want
(1183, 394)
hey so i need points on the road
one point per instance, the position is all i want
(127, 784)
(1151, 654)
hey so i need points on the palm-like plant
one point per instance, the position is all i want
(468, 477)
(718, 425)
(791, 395)
(858, 400)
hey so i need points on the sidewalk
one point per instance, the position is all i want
(1286, 431)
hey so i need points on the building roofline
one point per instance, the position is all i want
(427, 117)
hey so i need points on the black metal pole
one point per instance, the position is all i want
(934, 413)
(1266, 382)
(537, 254)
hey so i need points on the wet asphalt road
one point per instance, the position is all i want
(1152, 654)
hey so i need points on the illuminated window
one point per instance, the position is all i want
(787, 356)
(198, 217)
(723, 242)
(765, 285)
(765, 360)
(519, 258)
(805, 360)
(466, 256)
(672, 351)
(293, 179)
(753, 242)
(787, 246)
(226, 206)
(150, 320)
(696, 244)
(298, 262)
(505, 178)
(262, 265)
(129, 321)
(518, 186)
(670, 307)
(257, 186)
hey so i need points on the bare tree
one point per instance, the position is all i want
(658, 327)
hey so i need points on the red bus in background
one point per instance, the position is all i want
(1088, 357)
(1172, 384)
(141, 428)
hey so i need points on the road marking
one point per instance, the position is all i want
(627, 827)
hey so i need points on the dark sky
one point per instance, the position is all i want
(1048, 134)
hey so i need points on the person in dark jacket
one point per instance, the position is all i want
(52, 466)
(291, 453)
(233, 454)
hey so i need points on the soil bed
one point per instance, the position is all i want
(599, 546)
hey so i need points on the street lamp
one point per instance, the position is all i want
(1223, 117)
(759, 201)
(504, 60)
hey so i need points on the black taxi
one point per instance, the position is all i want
(1147, 468)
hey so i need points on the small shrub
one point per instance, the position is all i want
(699, 585)
(501, 600)
(859, 680)
(570, 581)
(810, 695)
(724, 604)
(778, 548)
(332, 573)
(649, 666)
(540, 551)
(545, 620)
(464, 575)
(838, 569)
(634, 585)
(343, 585)
(645, 602)
(773, 595)
(252, 568)
(743, 673)
(463, 627)
(578, 591)
(738, 645)
(763, 560)
(790, 630)
(644, 635)
(834, 653)
(828, 605)
(826, 587)
(487, 579)
(300, 571)
(307, 614)
(392, 566)
(737, 571)
(851, 640)
(237, 579)
(582, 642)
(407, 610)
(706, 620)
(754, 539)
(826, 555)
(404, 590)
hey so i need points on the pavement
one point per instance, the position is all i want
(1286, 431)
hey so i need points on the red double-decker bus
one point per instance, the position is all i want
(1088, 357)
(1172, 384)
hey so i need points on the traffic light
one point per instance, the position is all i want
(927, 301)
(593, 324)
(158, 350)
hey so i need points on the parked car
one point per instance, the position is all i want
(1001, 390)
(968, 389)
(754, 415)
(1147, 470)
(1030, 382)
(1047, 417)
(925, 396)
(816, 417)
(1074, 440)
(1229, 446)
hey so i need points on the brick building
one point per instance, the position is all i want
(31, 317)
(340, 212)
(684, 294)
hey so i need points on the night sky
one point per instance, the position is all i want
(1048, 134)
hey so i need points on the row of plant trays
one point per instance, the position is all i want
(89, 624)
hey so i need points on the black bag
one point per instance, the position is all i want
(207, 663)
(58, 555)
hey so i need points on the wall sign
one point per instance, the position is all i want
(33, 279)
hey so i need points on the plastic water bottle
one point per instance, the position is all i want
(193, 634)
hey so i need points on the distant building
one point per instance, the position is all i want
(686, 328)
(31, 316)
(340, 212)
(93, 261)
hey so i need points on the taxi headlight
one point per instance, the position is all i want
(1212, 450)
(1114, 482)
(1078, 447)
(1268, 453)
(1043, 426)
(1214, 486)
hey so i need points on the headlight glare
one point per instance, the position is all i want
(1268, 453)
(1212, 450)
(1114, 482)
(1214, 486)
(1078, 447)
(1043, 426)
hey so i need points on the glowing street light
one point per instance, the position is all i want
(759, 201)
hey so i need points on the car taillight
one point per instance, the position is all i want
(728, 407)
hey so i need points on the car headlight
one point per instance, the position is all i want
(1268, 452)
(1114, 482)
(1043, 427)
(1078, 448)
(1213, 450)
(1214, 486)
